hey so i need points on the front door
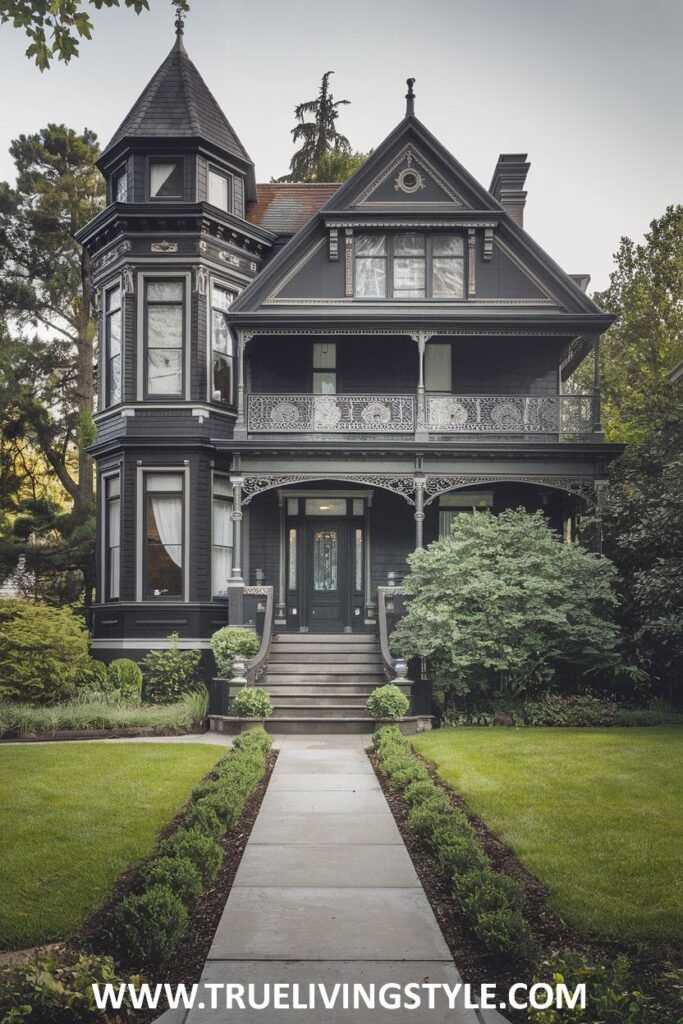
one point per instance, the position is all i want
(326, 573)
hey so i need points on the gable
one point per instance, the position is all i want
(409, 178)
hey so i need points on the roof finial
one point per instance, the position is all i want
(181, 9)
(410, 97)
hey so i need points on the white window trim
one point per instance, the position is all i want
(115, 282)
(214, 474)
(229, 286)
(229, 176)
(104, 562)
(142, 277)
(140, 527)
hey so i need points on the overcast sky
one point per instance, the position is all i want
(591, 89)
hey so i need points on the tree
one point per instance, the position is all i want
(646, 342)
(643, 524)
(47, 359)
(319, 137)
(55, 26)
(502, 604)
(337, 166)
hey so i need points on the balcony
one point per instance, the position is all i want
(331, 414)
(513, 417)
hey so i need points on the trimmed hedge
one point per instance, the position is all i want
(490, 903)
(148, 924)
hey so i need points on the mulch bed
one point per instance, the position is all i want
(550, 932)
(187, 962)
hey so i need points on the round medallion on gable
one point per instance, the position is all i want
(409, 180)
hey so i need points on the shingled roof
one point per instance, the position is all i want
(284, 207)
(178, 104)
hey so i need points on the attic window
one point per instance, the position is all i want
(219, 189)
(166, 179)
(410, 265)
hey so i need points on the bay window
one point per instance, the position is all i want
(409, 265)
(112, 345)
(164, 537)
(164, 337)
(222, 354)
(221, 535)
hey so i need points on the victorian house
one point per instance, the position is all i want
(300, 383)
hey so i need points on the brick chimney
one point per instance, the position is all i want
(507, 185)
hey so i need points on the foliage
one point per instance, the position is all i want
(102, 712)
(503, 603)
(169, 674)
(228, 642)
(338, 165)
(125, 676)
(55, 27)
(252, 702)
(319, 136)
(491, 903)
(175, 873)
(197, 704)
(42, 651)
(149, 926)
(574, 710)
(387, 701)
(201, 849)
(47, 358)
(612, 993)
(59, 989)
(646, 342)
(644, 537)
(93, 679)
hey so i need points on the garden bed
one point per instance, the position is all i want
(63, 735)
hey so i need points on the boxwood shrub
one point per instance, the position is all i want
(149, 926)
(387, 702)
(178, 874)
(491, 903)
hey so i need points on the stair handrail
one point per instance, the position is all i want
(257, 665)
(389, 662)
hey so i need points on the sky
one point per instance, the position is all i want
(592, 90)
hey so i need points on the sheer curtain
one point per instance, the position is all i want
(221, 562)
(168, 516)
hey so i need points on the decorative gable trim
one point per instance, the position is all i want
(408, 155)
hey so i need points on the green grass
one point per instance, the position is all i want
(73, 817)
(89, 715)
(596, 814)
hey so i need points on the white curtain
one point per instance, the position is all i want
(221, 560)
(168, 516)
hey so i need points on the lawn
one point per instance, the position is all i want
(73, 817)
(596, 814)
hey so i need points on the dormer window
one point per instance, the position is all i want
(410, 265)
(119, 186)
(219, 189)
(166, 179)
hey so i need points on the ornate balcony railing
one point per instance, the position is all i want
(289, 414)
(565, 415)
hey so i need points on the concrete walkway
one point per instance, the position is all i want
(326, 893)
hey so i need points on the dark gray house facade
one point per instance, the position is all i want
(299, 384)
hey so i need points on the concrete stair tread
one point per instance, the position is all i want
(336, 638)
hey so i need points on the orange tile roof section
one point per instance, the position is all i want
(284, 207)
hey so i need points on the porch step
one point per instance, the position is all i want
(371, 658)
(322, 700)
(315, 638)
(326, 647)
(323, 673)
(320, 690)
(320, 711)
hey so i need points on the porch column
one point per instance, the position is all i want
(241, 422)
(421, 339)
(236, 582)
(280, 607)
(419, 509)
(597, 417)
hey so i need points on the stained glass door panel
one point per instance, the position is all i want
(328, 596)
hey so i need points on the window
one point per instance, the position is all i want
(221, 535)
(119, 189)
(409, 266)
(291, 575)
(164, 533)
(219, 190)
(164, 310)
(325, 506)
(324, 368)
(166, 179)
(112, 537)
(438, 367)
(222, 355)
(452, 505)
(112, 345)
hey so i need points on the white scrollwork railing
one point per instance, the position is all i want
(567, 415)
(290, 414)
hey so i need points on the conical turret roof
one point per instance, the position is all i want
(177, 104)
